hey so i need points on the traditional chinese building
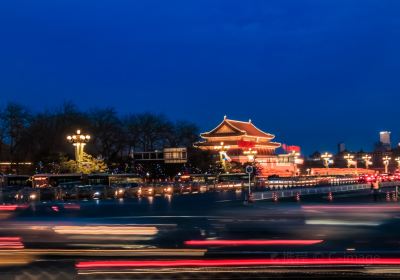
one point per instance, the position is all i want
(238, 141)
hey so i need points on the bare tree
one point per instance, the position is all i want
(108, 133)
(15, 121)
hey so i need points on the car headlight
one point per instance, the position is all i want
(151, 189)
(120, 191)
(96, 193)
(32, 196)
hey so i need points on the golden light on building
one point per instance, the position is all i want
(222, 149)
(251, 154)
(242, 142)
(386, 161)
(367, 160)
(326, 158)
(79, 141)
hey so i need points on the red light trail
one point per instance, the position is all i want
(250, 242)
(238, 262)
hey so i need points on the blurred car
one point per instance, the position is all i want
(48, 193)
(9, 193)
(102, 192)
(181, 188)
(28, 194)
(195, 187)
(127, 190)
(146, 190)
(67, 192)
(163, 188)
(168, 188)
(84, 192)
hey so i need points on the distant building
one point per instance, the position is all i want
(384, 137)
(341, 148)
(384, 144)
(242, 142)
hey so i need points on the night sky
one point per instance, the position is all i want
(313, 73)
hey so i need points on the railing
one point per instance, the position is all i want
(273, 194)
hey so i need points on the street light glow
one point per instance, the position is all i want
(79, 141)
(386, 161)
(326, 157)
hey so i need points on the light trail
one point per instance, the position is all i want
(106, 230)
(250, 242)
(238, 262)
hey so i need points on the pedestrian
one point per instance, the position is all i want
(375, 186)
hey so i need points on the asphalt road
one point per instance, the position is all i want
(349, 235)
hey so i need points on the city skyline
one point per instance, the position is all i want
(313, 73)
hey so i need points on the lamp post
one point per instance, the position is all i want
(295, 156)
(349, 158)
(222, 149)
(367, 160)
(326, 157)
(251, 155)
(398, 162)
(79, 141)
(386, 161)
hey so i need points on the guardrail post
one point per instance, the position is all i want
(387, 196)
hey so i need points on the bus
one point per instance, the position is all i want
(75, 179)
(55, 180)
(14, 180)
(207, 179)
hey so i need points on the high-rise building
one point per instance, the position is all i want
(384, 138)
(341, 147)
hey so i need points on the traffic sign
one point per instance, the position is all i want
(249, 169)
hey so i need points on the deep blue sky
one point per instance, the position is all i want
(312, 72)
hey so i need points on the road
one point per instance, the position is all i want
(202, 235)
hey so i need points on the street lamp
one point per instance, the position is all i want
(367, 160)
(349, 158)
(222, 149)
(398, 162)
(326, 157)
(295, 156)
(251, 154)
(79, 141)
(386, 161)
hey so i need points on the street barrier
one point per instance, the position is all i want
(272, 195)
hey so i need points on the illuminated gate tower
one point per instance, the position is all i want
(243, 142)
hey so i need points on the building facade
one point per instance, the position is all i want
(243, 142)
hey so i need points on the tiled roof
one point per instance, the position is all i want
(249, 128)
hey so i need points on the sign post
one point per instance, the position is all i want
(249, 171)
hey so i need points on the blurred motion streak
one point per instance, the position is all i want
(250, 242)
(11, 243)
(105, 253)
(106, 230)
(12, 207)
(352, 207)
(238, 262)
(341, 223)
(72, 206)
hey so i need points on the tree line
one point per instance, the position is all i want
(41, 136)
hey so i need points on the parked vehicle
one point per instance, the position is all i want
(181, 188)
(102, 192)
(84, 192)
(9, 193)
(126, 190)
